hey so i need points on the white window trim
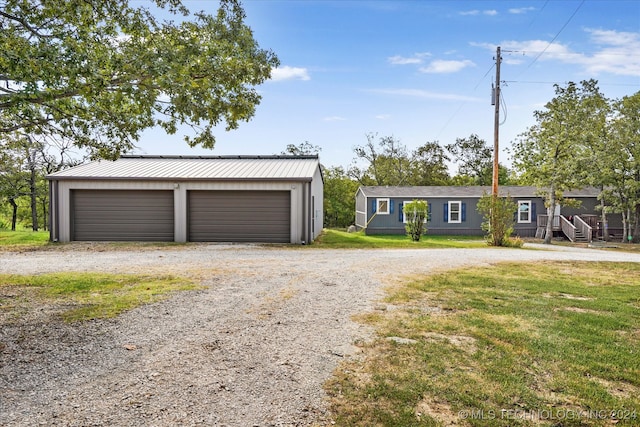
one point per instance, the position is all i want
(459, 220)
(379, 212)
(520, 203)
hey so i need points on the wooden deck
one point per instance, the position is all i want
(579, 228)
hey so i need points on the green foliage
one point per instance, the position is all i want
(339, 197)
(551, 154)
(416, 213)
(388, 162)
(504, 343)
(99, 73)
(498, 219)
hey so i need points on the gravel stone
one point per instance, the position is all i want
(253, 348)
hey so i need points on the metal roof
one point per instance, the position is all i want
(464, 191)
(299, 168)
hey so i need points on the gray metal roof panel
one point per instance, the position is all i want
(463, 191)
(221, 167)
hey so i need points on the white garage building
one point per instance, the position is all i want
(270, 199)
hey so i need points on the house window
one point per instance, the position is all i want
(403, 217)
(382, 206)
(455, 211)
(524, 211)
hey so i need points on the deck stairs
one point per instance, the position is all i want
(577, 229)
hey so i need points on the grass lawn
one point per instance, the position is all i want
(341, 239)
(554, 344)
(23, 238)
(83, 296)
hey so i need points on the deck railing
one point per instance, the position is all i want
(568, 229)
(585, 229)
(542, 221)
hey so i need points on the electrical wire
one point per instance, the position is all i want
(557, 34)
(503, 104)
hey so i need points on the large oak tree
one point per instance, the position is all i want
(99, 72)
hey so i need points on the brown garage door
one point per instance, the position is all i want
(122, 215)
(240, 216)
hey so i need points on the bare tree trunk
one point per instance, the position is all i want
(625, 225)
(551, 210)
(44, 213)
(605, 225)
(14, 213)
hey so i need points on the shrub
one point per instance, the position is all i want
(415, 214)
(498, 218)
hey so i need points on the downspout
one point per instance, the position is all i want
(303, 230)
(310, 210)
(54, 221)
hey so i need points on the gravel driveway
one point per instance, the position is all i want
(251, 349)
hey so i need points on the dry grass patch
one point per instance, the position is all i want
(82, 296)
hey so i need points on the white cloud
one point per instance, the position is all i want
(419, 93)
(289, 73)
(417, 58)
(475, 12)
(383, 116)
(614, 52)
(440, 66)
(521, 10)
(334, 119)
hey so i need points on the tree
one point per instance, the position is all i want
(550, 154)
(474, 158)
(339, 197)
(620, 159)
(416, 213)
(387, 162)
(14, 181)
(99, 72)
(498, 218)
(428, 165)
(303, 149)
(475, 162)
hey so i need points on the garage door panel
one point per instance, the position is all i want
(240, 216)
(123, 215)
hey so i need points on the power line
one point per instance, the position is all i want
(557, 34)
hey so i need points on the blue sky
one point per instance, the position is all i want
(418, 70)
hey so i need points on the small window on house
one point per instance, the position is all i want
(524, 211)
(382, 206)
(455, 212)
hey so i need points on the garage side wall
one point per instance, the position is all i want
(62, 207)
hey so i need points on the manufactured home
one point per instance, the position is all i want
(453, 211)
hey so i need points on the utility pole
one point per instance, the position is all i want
(496, 126)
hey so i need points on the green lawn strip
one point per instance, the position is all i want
(340, 239)
(514, 344)
(23, 238)
(97, 295)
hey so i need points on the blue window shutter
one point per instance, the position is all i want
(391, 206)
(373, 205)
(446, 212)
(400, 211)
(534, 217)
(464, 211)
(428, 212)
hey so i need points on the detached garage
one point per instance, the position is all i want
(271, 199)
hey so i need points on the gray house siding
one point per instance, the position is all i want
(440, 198)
